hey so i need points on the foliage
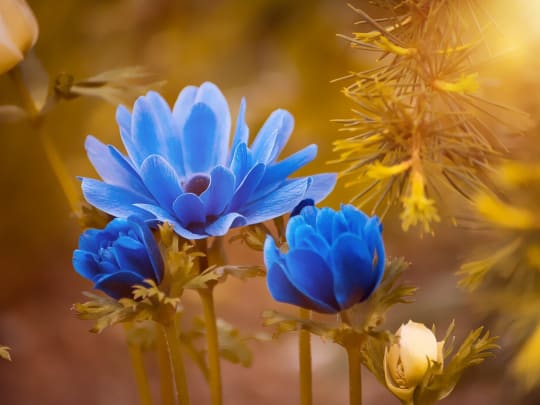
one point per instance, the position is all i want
(508, 273)
(419, 126)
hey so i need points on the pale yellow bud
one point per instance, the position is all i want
(18, 32)
(407, 361)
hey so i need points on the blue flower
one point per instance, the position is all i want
(118, 257)
(180, 169)
(335, 259)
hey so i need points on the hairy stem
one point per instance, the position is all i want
(137, 363)
(165, 370)
(175, 355)
(212, 341)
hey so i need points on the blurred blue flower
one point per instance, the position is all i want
(118, 257)
(335, 259)
(180, 170)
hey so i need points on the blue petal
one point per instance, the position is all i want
(273, 136)
(150, 126)
(308, 202)
(373, 237)
(241, 133)
(161, 179)
(247, 186)
(271, 252)
(324, 223)
(219, 192)
(354, 275)
(279, 202)
(199, 140)
(189, 209)
(112, 166)
(89, 240)
(290, 231)
(355, 218)
(309, 214)
(280, 171)
(113, 200)
(310, 275)
(131, 255)
(225, 222)
(123, 118)
(163, 216)
(339, 225)
(321, 186)
(282, 290)
(147, 238)
(241, 162)
(307, 238)
(119, 284)
(211, 143)
(85, 264)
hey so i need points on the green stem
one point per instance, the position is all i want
(212, 341)
(165, 370)
(137, 363)
(304, 350)
(175, 355)
(355, 376)
(56, 162)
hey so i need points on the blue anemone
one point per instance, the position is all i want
(335, 259)
(118, 257)
(180, 170)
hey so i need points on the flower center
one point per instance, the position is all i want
(197, 184)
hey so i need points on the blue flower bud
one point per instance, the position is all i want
(335, 259)
(118, 257)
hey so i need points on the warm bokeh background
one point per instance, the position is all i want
(277, 53)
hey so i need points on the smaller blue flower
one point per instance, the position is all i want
(118, 257)
(335, 259)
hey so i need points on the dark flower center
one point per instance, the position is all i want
(197, 184)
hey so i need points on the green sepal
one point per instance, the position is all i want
(148, 303)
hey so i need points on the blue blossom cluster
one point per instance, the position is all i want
(182, 168)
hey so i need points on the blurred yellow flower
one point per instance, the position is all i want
(18, 32)
(407, 361)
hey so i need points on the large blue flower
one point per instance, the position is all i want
(180, 170)
(335, 259)
(118, 257)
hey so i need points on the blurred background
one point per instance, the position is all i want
(278, 54)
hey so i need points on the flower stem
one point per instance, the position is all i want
(175, 355)
(165, 370)
(137, 363)
(304, 349)
(212, 341)
(355, 376)
(57, 165)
